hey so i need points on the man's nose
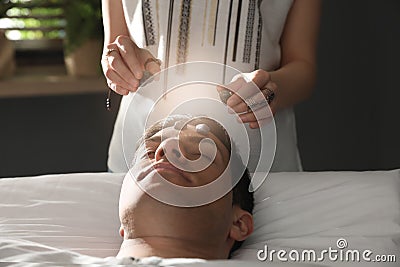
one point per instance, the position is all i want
(170, 150)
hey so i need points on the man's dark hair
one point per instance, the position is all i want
(241, 195)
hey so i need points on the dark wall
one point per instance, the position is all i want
(54, 134)
(352, 122)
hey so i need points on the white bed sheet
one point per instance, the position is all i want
(78, 213)
(25, 253)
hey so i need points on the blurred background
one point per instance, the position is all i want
(52, 104)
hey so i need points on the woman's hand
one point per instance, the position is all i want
(255, 112)
(123, 63)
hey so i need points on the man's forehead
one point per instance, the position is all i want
(214, 127)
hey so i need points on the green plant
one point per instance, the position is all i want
(4, 6)
(83, 22)
(33, 19)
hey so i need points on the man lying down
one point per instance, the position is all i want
(200, 226)
(171, 152)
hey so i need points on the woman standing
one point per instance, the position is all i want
(273, 42)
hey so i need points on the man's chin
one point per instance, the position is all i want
(167, 187)
(170, 188)
(165, 180)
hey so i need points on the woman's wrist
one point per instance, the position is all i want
(271, 92)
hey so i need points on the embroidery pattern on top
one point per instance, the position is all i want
(237, 30)
(148, 22)
(258, 44)
(249, 31)
(184, 31)
(212, 24)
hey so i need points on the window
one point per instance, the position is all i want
(38, 30)
(33, 25)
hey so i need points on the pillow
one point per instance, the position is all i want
(79, 212)
(315, 210)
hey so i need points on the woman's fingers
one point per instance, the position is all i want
(124, 63)
(150, 64)
(244, 90)
(248, 94)
(129, 53)
(240, 103)
(239, 108)
(116, 83)
(116, 71)
(236, 83)
(248, 91)
(235, 86)
(259, 124)
(256, 100)
(118, 89)
(255, 115)
(250, 118)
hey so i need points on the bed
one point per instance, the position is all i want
(66, 219)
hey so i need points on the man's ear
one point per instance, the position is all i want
(242, 224)
(121, 231)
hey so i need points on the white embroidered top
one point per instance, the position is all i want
(244, 34)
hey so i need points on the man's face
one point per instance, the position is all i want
(187, 154)
(147, 216)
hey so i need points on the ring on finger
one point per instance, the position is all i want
(152, 59)
(269, 94)
(252, 104)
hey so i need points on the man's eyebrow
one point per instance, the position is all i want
(154, 139)
(192, 139)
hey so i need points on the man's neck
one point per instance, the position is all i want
(165, 247)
